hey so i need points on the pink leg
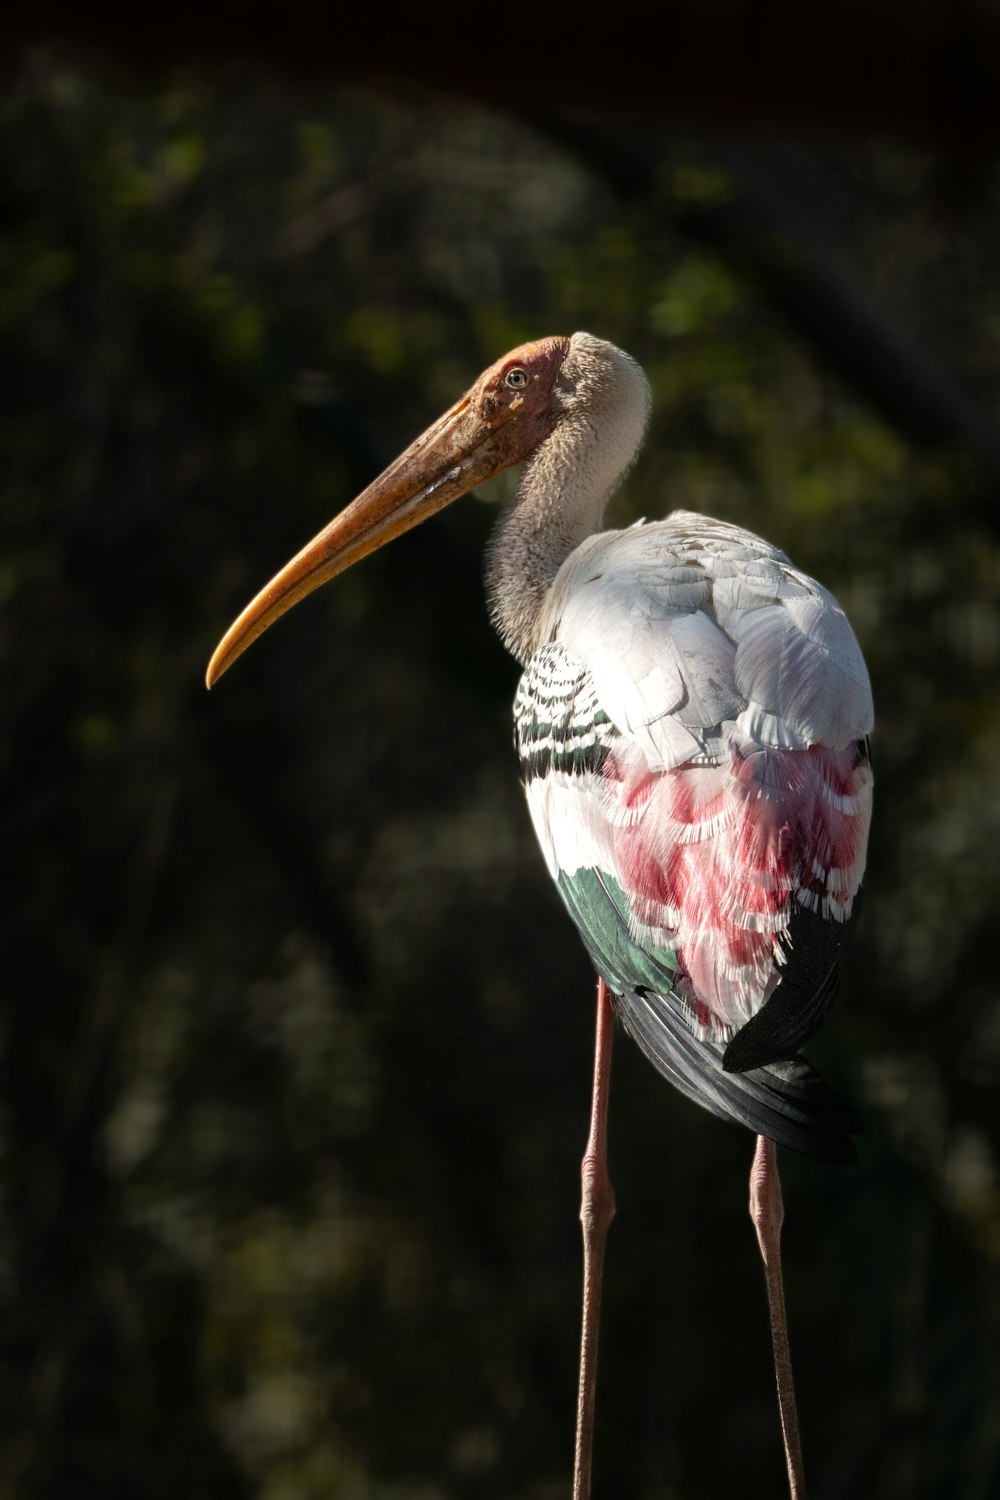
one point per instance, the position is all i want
(768, 1213)
(597, 1209)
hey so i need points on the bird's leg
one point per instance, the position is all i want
(597, 1209)
(767, 1211)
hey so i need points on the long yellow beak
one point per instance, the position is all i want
(499, 421)
(462, 448)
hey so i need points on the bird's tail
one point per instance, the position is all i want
(786, 1100)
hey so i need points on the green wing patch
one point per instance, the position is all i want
(600, 909)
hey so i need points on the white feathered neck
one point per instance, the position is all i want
(603, 401)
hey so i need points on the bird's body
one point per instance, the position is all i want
(692, 740)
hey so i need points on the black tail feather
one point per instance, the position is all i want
(815, 946)
(786, 1100)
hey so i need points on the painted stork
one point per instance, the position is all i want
(692, 726)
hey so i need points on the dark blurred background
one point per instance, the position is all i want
(295, 1038)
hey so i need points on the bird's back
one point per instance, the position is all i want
(692, 732)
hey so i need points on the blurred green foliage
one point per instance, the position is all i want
(295, 1042)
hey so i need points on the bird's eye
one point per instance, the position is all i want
(517, 378)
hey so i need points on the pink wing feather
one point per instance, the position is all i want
(723, 855)
(736, 795)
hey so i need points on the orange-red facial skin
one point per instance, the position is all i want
(493, 426)
(531, 411)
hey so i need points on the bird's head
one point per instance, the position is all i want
(512, 408)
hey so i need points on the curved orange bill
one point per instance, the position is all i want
(462, 448)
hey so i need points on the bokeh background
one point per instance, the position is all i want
(295, 1039)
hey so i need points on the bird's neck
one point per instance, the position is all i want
(560, 501)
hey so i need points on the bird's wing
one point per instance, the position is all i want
(692, 738)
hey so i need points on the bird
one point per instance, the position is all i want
(692, 724)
